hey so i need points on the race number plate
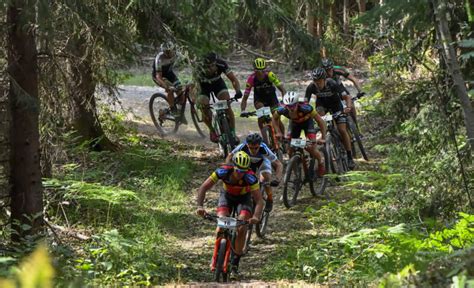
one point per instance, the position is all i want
(327, 117)
(298, 143)
(264, 111)
(226, 222)
(221, 105)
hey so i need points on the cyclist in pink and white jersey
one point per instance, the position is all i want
(264, 83)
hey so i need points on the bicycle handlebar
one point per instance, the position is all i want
(214, 217)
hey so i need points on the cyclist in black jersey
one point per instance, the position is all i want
(240, 185)
(335, 72)
(328, 99)
(164, 76)
(210, 81)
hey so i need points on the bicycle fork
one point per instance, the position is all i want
(217, 244)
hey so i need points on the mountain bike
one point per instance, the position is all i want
(268, 132)
(164, 121)
(354, 133)
(335, 150)
(300, 171)
(220, 123)
(224, 245)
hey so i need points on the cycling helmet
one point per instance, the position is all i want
(166, 46)
(327, 63)
(210, 58)
(290, 98)
(241, 160)
(254, 138)
(259, 64)
(318, 73)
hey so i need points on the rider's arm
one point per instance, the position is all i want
(355, 81)
(248, 88)
(228, 159)
(282, 89)
(159, 79)
(274, 79)
(321, 124)
(204, 188)
(234, 80)
(257, 197)
(278, 169)
(275, 118)
(309, 93)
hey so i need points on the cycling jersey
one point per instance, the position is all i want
(262, 87)
(329, 97)
(210, 77)
(164, 65)
(304, 112)
(263, 156)
(248, 183)
(339, 71)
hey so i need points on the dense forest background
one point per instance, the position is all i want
(61, 66)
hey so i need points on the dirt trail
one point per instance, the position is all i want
(194, 251)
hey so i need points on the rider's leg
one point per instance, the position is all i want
(346, 141)
(310, 133)
(224, 95)
(203, 102)
(223, 206)
(266, 176)
(258, 105)
(245, 213)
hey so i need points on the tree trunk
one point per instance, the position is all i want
(25, 175)
(440, 11)
(346, 19)
(361, 5)
(84, 112)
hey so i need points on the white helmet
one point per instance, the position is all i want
(290, 98)
(168, 45)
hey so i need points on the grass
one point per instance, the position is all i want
(131, 203)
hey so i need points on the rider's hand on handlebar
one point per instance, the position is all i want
(278, 135)
(238, 94)
(201, 211)
(274, 183)
(360, 94)
(254, 220)
(347, 109)
(320, 141)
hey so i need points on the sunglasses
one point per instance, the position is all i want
(241, 171)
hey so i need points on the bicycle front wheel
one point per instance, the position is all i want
(248, 237)
(333, 153)
(219, 272)
(225, 139)
(160, 113)
(292, 181)
(261, 227)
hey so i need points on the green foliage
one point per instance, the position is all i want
(130, 203)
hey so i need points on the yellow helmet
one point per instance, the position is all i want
(241, 160)
(259, 64)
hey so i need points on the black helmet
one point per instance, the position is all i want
(254, 138)
(327, 63)
(210, 58)
(318, 73)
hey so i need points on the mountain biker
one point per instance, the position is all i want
(335, 72)
(328, 99)
(301, 115)
(262, 159)
(263, 81)
(210, 80)
(240, 185)
(164, 76)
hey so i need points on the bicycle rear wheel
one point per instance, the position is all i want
(292, 181)
(160, 113)
(320, 183)
(198, 122)
(355, 132)
(261, 227)
(219, 272)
